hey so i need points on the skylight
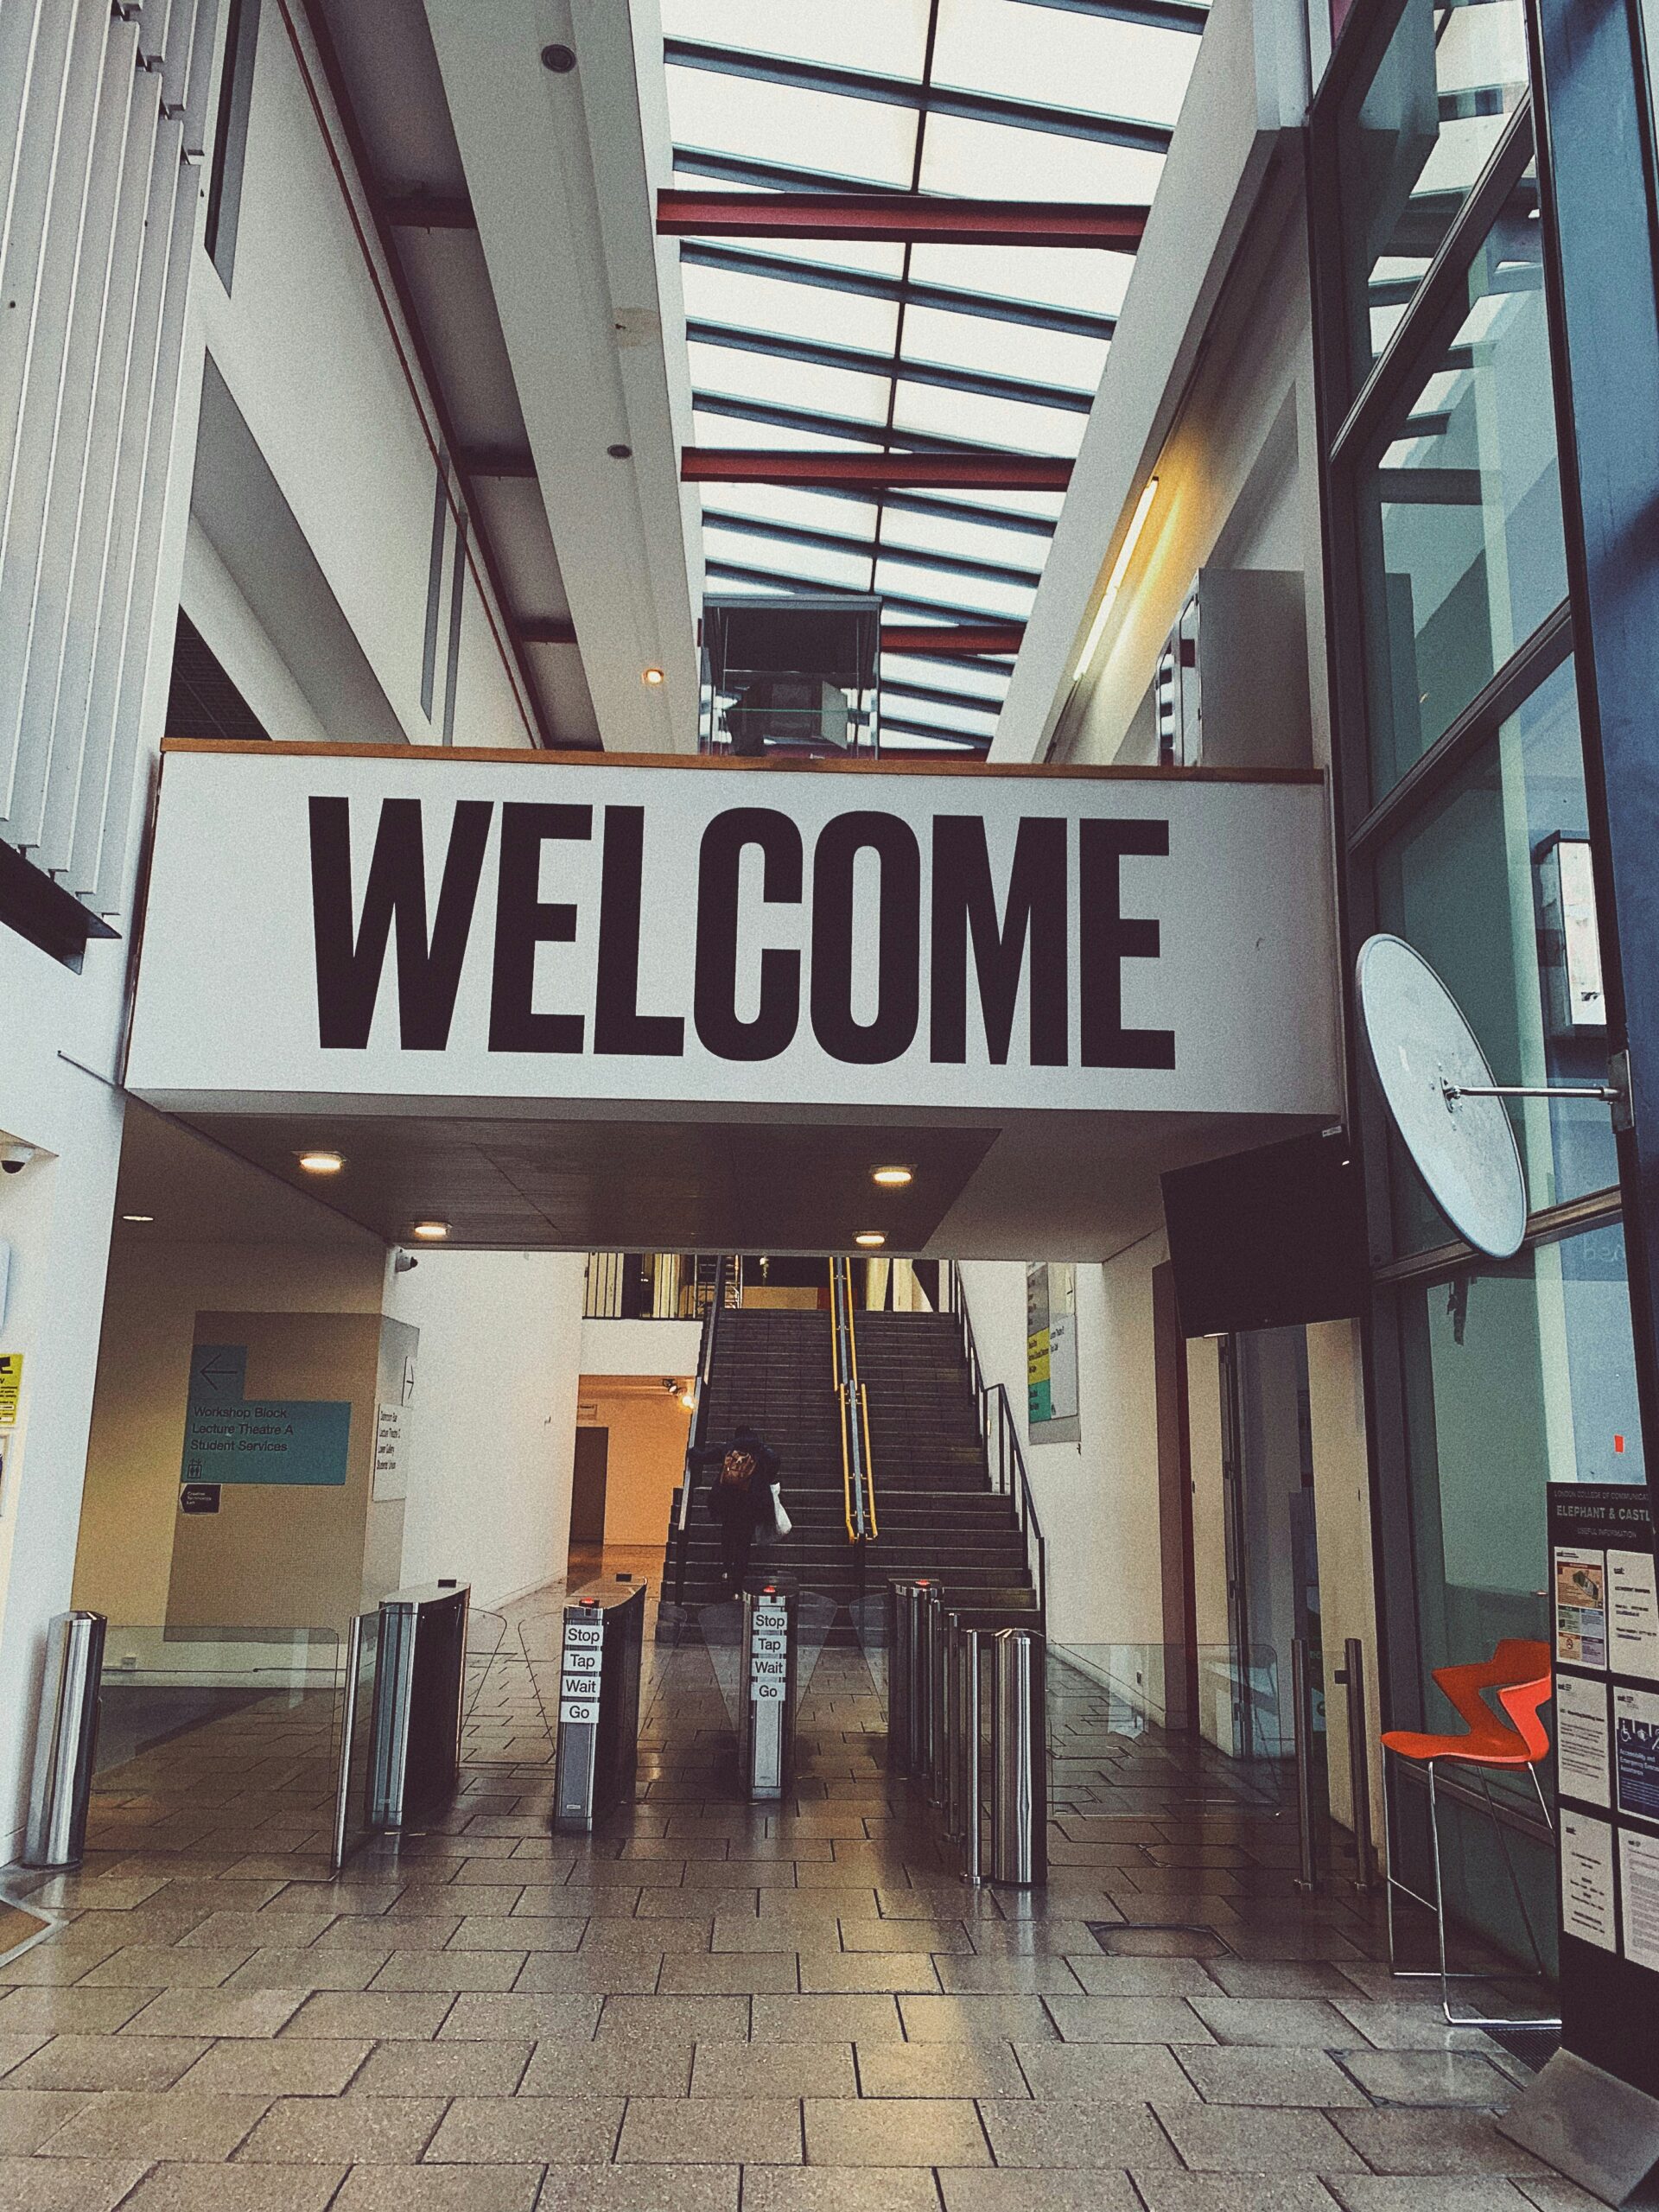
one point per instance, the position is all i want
(863, 344)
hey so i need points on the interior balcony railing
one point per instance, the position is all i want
(1000, 1433)
(659, 1286)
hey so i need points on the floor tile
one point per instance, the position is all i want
(871, 1972)
(439, 2188)
(958, 2019)
(780, 2069)
(202, 2188)
(649, 2189)
(1438, 2193)
(940, 2069)
(826, 2020)
(180, 2124)
(560, 2131)
(28, 2117)
(1268, 2074)
(1074, 2133)
(441, 2069)
(1035, 1975)
(1239, 2139)
(108, 2062)
(1234, 2193)
(592, 2069)
(357, 2131)
(1127, 2019)
(756, 2131)
(1109, 2073)
(70, 2185)
(391, 2013)
(1428, 2077)
(450, 1970)
(839, 2188)
(1292, 2021)
(711, 1973)
(895, 2131)
(217, 2012)
(1433, 2143)
(1011, 2190)
(514, 2019)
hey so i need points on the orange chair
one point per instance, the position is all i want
(1519, 1672)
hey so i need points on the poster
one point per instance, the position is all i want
(1581, 1740)
(1581, 1608)
(1052, 1400)
(1633, 1615)
(11, 1386)
(1587, 1880)
(1635, 1752)
(1639, 1895)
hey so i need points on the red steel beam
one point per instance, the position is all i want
(955, 472)
(964, 638)
(903, 217)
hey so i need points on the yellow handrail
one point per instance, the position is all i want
(869, 1463)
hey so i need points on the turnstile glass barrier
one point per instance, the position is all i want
(586, 1667)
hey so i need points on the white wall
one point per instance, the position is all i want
(641, 1347)
(492, 1432)
(1097, 1501)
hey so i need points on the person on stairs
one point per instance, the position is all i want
(739, 1497)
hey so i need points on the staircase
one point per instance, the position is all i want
(936, 1510)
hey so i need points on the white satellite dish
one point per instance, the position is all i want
(1439, 1089)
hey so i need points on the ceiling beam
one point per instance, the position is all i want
(1153, 15)
(907, 92)
(834, 541)
(958, 472)
(544, 629)
(908, 218)
(962, 638)
(496, 460)
(769, 588)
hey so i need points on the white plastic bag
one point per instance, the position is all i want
(780, 1518)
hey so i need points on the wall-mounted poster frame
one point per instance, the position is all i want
(1053, 1410)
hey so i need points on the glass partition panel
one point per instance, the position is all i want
(1476, 885)
(1459, 504)
(1120, 1710)
(1416, 134)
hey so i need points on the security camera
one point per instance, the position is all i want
(404, 1264)
(14, 1157)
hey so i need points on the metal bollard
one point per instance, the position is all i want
(1018, 1760)
(906, 1674)
(1301, 1686)
(1352, 1678)
(932, 1598)
(954, 1634)
(66, 1743)
(964, 1767)
(938, 1704)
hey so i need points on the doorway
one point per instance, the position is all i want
(587, 1489)
(1273, 1562)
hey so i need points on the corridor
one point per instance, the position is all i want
(709, 2007)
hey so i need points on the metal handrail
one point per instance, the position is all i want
(1006, 1462)
(857, 1475)
(696, 1433)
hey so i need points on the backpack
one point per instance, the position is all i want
(738, 1466)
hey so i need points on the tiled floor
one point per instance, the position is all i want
(709, 2006)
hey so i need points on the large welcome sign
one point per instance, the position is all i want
(439, 927)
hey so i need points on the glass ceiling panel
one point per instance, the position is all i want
(932, 534)
(786, 123)
(984, 682)
(761, 377)
(881, 258)
(797, 310)
(1003, 422)
(991, 161)
(1052, 56)
(972, 593)
(1055, 276)
(1045, 504)
(889, 36)
(972, 341)
(807, 564)
(713, 429)
(782, 503)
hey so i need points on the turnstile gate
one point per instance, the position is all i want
(598, 1752)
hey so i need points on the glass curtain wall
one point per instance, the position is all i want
(1461, 794)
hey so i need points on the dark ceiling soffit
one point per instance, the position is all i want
(970, 472)
(937, 373)
(933, 99)
(544, 630)
(905, 218)
(316, 17)
(38, 908)
(831, 541)
(771, 585)
(816, 424)
(947, 299)
(420, 210)
(1153, 15)
(496, 460)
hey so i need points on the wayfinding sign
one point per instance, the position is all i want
(429, 928)
(231, 1438)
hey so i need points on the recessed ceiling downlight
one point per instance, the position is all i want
(870, 1238)
(430, 1232)
(892, 1179)
(320, 1162)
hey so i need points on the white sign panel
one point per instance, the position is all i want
(391, 1452)
(435, 929)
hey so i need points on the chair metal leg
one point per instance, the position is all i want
(1452, 2018)
(1392, 1882)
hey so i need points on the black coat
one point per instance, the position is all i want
(728, 1501)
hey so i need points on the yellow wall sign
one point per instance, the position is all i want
(11, 1386)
